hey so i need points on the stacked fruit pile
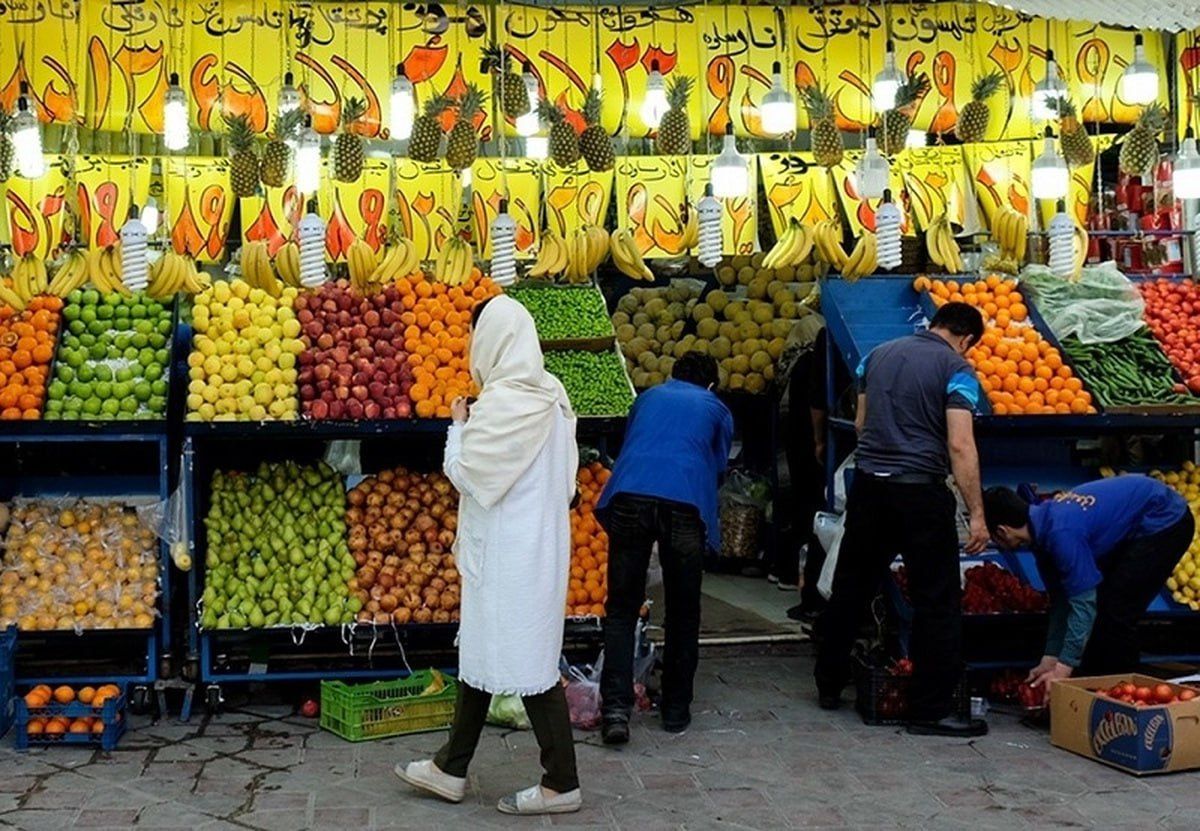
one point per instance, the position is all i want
(650, 324)
(26, 350)
(113, 359)
(1173, 314)
(78, 565)
(402, 527)
(243, 361)
(436, 319)
(1184, 581)
(1021, 372)
(564, 313)
(595, 382)
(1148, 696)
(989, 589)
(752, 335)
(1130, 372)
(277, 551)
(587, 591)
(41, 700)
(354, 365)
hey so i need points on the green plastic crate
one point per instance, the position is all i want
(358, 712)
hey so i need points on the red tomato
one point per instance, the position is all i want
(1127, 688)
(1187, 694)
(310, 709)
(1164, 694)
(1142, 694)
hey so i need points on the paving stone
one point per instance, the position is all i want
(341, 818)
(106, 818)
(274, 820)
(30, 819)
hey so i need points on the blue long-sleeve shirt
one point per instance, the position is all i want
(676, 447)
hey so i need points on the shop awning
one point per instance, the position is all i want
(1171, 15)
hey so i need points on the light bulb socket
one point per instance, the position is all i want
(311, 207)
(22, 103)
(729, 129)
(887, 196)
(133, 211)
(654, 65)
(1061, 207)
(503, 206)
(24, 88)
(288, 79)
(1049, 133)
(400, 73)
(708, 191)
(527, 67)
(1049, 56)
(1138, 40)
(776, 67)
(174, 81)
(890, 47)
(871, 131)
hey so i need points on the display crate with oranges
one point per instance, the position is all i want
(90, 716)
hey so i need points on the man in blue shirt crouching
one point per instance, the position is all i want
(1104, 549)
(663, 490)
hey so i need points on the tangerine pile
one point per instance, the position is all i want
(41, 697)
(1021, 372)
(27, 340)
(435, 337)
(587, 590)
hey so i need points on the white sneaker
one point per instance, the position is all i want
(426, 776)
(533, 801)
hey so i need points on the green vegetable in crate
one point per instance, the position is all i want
(1131, 372)
(595, 381)
(113, 359)
(564, 313)
(277, 549)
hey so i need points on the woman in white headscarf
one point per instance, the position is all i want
(513, 458)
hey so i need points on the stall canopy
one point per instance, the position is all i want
(1169, 15)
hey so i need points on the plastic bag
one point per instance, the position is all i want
(583, 697)
(343, 455)
(745, 502)
(1102, 306)
(169, 522)
(829, 530)
(508, 711)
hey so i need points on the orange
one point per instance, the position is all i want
(81, 725)
(55, 727)
(85, 695)
(922, 283)
(64, 694)
(35, 699)
(97, 725)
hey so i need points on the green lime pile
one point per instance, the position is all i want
(564, 313)
(113, 359)
(595, 381)
(277, 550)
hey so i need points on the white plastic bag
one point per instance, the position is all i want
(583, 698)
(829, 530)
(840, 484)
(508, 711)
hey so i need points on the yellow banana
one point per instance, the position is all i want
(9, 297)
(411, 263)
(287, 263)
(629, 260)
(22, 284)
(782, 245)
(691, 230)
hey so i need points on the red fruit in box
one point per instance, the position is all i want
(1143, 694)
(1187, 694)
(1164, 693)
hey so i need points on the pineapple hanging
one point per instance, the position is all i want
(426, 135)
(463, 144)
(6, 148)
(973, 120)
(514, 98)
(895, 123)
(243, 160)
(277, 156)
(348, 146)
(564, 143)
(1139, 149)
(675, 130)
(827, 145)
(1072, 137)
(594, 142)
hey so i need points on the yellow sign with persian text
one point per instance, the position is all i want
(199, 207)
(796, 188)
(33, 210)
(108, 186)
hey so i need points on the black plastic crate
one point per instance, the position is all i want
(882, 697)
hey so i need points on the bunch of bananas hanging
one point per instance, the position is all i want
(691, 230)
(454, 262)
(104, 269)
(8, 297)
(399, 260)
(941, 246)
(827, 239)
(792, 248)
(627, 257)
(287, 263)
(361, 262)
(587, 250)
(257, 269)
(29, 278)
(71, 275)
(1010, 230)
(553, 256)
(174, 272)
(863, 260)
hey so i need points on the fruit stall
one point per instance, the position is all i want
(241, 240)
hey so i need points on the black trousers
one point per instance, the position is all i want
(551, 722)
(634, 524)
(917, 521)
(1133, 575)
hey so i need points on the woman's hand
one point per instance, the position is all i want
(458, 409)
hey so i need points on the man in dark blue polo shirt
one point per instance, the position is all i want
(916, 402)
(1104, 550)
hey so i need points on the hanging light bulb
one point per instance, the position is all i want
(288, 99)
(778, 107)
(730, 176)
(1050, 176)
(149, 216)
(466, 178)
(916, 138)
(308, 159)
(135, 268)
(654, 102)
(597, 83)
(25, 133)
(537, 147)
(708, 220)
(311, 238)
(887, 232)
(872, 171)
(504, 247)
(1139, 81)
(888, 82)
(1185, 179)
(176, 132)
(1047, 89)
(529, 123)
(403, 106)
(1061, 233)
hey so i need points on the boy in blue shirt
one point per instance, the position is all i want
(1104, 549)
(663, 489)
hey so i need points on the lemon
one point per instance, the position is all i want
(194, 401)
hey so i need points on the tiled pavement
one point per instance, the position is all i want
(760, 755)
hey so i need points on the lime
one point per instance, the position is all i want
(143, 327)
(98, 352)
(153, 372)
(138, 311)
(143, 391)
(130, 354)
(92, 406)
(124, 374)
(139, 340)
(103, 389)
(123, 341)
(112, 300)
(156, 341)
(64, 373)
(97, 327)
(158, 387)
(162, 356)
(129, 405)
(110, 407)
(158, 404)
(154, 309)
(146, 357)
(75, 298)
(122, 389)
(104, 312)
(121, 323)
(164, 326)
(87, 314)
(85, 372)
(104, 373)
(77, 327)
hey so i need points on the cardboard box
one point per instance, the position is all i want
(1158, 738)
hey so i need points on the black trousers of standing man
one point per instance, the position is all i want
(634, 524)
(915, 518)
